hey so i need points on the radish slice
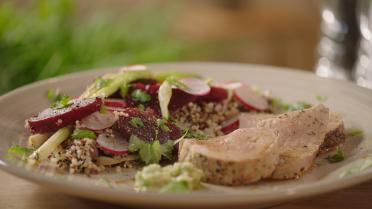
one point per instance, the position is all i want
(114, 103)
(232, 85)
(115, 145)
(250, 99)
(99, 121)
(230, 125)
(195, 86)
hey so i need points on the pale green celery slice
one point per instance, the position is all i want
(36, 140)
(51, 144)
(164, 94)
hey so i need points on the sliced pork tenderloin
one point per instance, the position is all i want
(335, 135)
(241, 157)
(300, 134)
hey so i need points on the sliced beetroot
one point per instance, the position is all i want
(179, 99)
(171, 133)
(99, 121)
(147, 129)
(51, 120)
(217, 94)
(115, 103)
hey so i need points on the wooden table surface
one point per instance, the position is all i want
(16, 193)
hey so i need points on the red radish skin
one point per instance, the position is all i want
(230, 125)
(250, 99)
(50, 120)
(99, 121)
(115, 103)
(114, 145)
(195, 86)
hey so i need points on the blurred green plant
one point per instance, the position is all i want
(49, 39)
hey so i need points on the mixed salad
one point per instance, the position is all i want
(137, 117)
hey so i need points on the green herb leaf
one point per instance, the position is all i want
(62, 103)
(82, 133)
(136, 122)
(54, 95)
(162, 124)
(20, 150)
(139, 95)
(337, 157)
(150, 152)
(192, 134)
(298, 106)
(141, 107)
(321, 98)
(354, 132)
(103, 109)
(280, 106)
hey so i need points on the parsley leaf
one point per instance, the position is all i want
(103, 109)
(192, 134)
(337, 157)
(162, 124)
(62, 103)
(321, 98)
(81, 133)
(354, 132)
(278, 104)
(150, 152)
(136, 122)
(54, 95)
(139, 95)
(20, 151)
(58, 99)
(141, 107)
(298, 106)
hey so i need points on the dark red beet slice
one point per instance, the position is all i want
(173, 133)
(179, 99)
(217, 94)
(148, 130)
(51, 120)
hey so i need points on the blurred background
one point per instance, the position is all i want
(45, 38)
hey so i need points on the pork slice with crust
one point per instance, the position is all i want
(241, 157)
(300, 135)
(335, 135)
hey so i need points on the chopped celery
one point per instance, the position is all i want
(51, 144)
(164, 94)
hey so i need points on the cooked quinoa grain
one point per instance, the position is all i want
(79, 156)
(206, 116)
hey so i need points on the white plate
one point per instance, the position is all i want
(355, 103)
